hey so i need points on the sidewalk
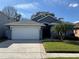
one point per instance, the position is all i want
(49, 55)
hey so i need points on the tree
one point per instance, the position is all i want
(18, 17)
(11, 12)
(62, 28)
(42, 14)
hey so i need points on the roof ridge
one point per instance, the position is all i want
(39, 15)
(36, 16)
(42, 18)
(45, 17)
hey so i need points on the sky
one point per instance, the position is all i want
(67, 9)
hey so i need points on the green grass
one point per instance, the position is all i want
(60, 47)
(65, 58)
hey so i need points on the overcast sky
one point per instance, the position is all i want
(68, 9)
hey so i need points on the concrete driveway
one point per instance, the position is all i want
(21, 49)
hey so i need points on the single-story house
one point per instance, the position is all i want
(38, 28)
(76, 30)
(24, 30)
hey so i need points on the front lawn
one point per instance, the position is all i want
(65, 58)
(61, 47)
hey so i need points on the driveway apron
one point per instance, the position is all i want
(22, 49)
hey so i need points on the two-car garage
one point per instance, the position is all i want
(25, 30)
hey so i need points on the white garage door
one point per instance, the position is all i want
(25, 33)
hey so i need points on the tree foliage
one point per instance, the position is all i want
(62, 28)
(11, 12)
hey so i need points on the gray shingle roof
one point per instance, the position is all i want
(24, 23)
(48, 19)
(37, 18)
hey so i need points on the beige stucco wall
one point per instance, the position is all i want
(76, 32)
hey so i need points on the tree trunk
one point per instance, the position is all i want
(61, 36)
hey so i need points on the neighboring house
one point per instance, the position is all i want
(76, 30)
(25, 30)
(3, 20)
(49, 21)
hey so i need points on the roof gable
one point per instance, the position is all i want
(48, 19)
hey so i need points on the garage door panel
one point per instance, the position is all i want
(25, 33)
